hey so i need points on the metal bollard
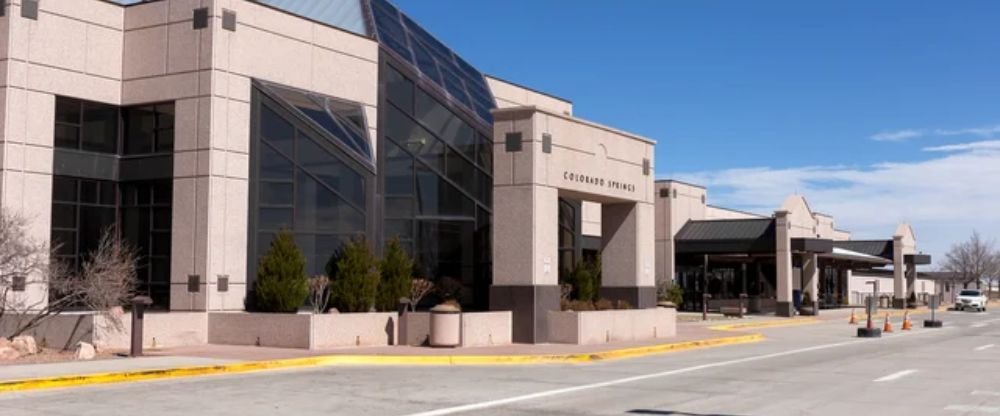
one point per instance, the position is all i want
(743, 298)
(139, 304)
(704, 306)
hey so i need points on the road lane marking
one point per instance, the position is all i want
(972, 409)
(895, 376)
(548, 393)
(984, 347)
(986, 393)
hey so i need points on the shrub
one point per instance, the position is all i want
(603, 305)
(354, 277)
(418, 289)
(319, 293)
(449, 288)
(397, 276)
(577, 305)
(584, 281)
(281, 277)
(624, 304)
(671, 292)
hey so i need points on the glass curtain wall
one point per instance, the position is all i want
(437, 184)
(310, 176)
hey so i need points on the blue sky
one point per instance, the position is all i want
(863, 107)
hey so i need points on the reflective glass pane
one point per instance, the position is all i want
(68, 110)
(437, 197)
(426, 63)
(100, 128)
(319, 209)
(398, 170)
(484, 151)
(332, 171)
(276, 131)
(67, 136)
(462, 172)
(399, 90)
(64, 189)
(275, 218)
(402, 229)
(398, 207)
(416, 139)
(140, 130)
(64, 242)
(273, 165)
(88, 192)
(63, 216)
(276, 193)
(445, 124)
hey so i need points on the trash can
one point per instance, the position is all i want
(446, 326)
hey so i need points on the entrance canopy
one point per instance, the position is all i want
(755, 236)
(540, 156)
(854, 256)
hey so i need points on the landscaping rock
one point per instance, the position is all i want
(25, 345)
(8, 354)
(85, 351)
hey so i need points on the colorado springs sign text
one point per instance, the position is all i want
(593, 180)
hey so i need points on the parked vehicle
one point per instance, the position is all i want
(971, 299)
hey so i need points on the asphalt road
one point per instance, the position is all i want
(806, 370)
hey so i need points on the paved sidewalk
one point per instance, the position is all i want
(111, 365)
(220, 355)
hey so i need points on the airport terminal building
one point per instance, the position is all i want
(202, 127)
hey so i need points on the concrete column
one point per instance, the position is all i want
(627, 255)
(899, 290)
(525, 261)
(783, 262)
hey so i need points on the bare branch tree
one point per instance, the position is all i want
(106, 279)
(319, 292)
(973, 260)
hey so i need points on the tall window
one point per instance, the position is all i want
(438, 185)
(149, 129)
(85, 125)
(310, 176)
(88, 202)
(82, 210)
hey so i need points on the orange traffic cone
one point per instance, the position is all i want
(907, 325)
(888, 325)
(854, 319)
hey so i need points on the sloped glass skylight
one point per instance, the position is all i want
(342, 121)
(462, 82)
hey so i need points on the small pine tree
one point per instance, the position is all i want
(354, 277)
(584, 281)
(397, 276)
(281, 284)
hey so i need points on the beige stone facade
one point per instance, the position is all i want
(539, 156)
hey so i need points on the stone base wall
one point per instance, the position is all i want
(479, 329)
(484, 329)
(306, 331)
(161, 330)
(601, 327)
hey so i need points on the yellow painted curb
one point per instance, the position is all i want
(330, 360)
(765, 324)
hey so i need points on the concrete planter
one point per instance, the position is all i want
(479, 329)
(306, 331)
(600, 327)
(172, 329)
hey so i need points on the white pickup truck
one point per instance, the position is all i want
(971, 299)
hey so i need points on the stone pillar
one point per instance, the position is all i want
(899, 273)
(810, 277)
(525, 258)
(783, 263)
(627, 254)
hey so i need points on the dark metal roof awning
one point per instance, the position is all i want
(917, 259)
(880, 248)
(743, 236)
